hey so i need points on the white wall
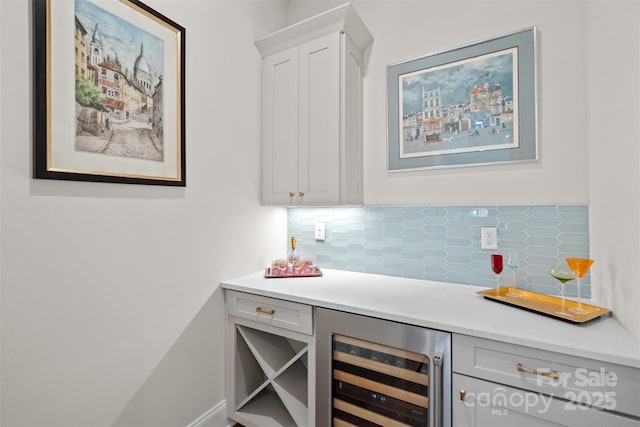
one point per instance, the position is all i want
(613, 66)
(111, 309)
(402, 33)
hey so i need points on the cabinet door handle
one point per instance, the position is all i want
(263, 311)
(291, 194)
(551, 374)
(463, 394)
(301, 194)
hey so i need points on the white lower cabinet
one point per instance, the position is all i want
(481, 403)
(270, 365)
(271, 376)
(499, 384)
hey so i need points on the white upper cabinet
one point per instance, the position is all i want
(312, 110)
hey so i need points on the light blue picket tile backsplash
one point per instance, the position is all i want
(443, 243)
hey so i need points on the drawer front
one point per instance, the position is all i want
(275, 312)
(590, 382)
(480, 403)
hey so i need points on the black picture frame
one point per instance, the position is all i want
(117, 120)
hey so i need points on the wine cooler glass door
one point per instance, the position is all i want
(376, 372)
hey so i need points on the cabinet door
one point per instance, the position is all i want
(319, 120)
(280, 127)
(352, 153)
(481, 403)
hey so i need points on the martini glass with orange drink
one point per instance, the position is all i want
(579, 266)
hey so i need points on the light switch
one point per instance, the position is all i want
(319, 232)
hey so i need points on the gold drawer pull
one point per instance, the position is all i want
(263, 311)
(463, 394)
(552, 374)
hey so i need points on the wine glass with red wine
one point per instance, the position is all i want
(496, 266)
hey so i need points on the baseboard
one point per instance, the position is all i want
(214, 417)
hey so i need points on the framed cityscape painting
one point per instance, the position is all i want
(468, 106)
(108, 93)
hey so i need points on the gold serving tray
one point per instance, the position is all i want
(544, 304)
(313, 273)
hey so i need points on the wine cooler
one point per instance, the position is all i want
(374, 372)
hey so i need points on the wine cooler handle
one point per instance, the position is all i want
(263, 311)
(437, 389)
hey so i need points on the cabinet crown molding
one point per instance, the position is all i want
(342, 18)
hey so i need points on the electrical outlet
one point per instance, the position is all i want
(319, 231)
(489, 237)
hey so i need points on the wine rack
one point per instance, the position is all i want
(269, 374)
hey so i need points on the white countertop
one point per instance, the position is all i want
(448, 307)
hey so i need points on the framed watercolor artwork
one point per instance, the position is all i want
(109, 93)
(468, 106)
